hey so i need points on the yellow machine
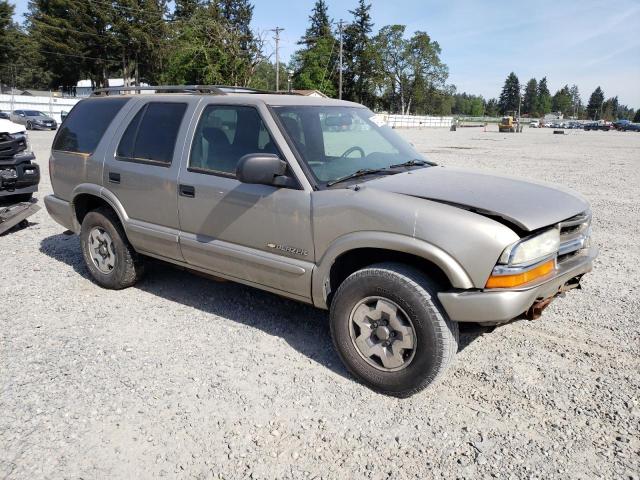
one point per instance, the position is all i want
(509, 124)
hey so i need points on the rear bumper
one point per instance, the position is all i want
(497, 305)
(61, 211)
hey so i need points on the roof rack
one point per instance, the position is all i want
(193, 89)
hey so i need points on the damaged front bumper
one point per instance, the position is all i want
(493, 306)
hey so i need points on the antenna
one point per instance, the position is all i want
(277, 31)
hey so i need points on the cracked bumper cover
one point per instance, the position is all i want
(498, 305)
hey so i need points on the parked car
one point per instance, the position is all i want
(597, 126)
(34, 120)
(264, 190)
(534, 124)
(4, 116)
(19, 174)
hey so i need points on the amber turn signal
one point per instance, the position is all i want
(508, 281)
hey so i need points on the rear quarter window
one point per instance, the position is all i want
(151, 135)
(86, 123)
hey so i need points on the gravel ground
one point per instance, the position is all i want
(183, 377)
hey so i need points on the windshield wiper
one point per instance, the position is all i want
(359, 173)
(412, 163)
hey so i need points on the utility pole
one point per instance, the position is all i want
(340, 62)
(277, 31)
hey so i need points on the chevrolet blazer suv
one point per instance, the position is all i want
(316, 200)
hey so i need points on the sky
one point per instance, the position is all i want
(586, 42)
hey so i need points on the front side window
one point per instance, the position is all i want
(151, 136)
(86, 123)
(338, 141)
(226, 133)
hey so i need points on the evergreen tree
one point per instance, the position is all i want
(184, 9)
(314, 64)
(75, 38)
(359, 57)
(7, 28)
(636, 117)
(139, 32)
(594, 107)
(543, 101)
(510, 96)
(319, 24)
(529, 103)
(561, 101)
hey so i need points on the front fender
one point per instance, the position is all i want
(321, 288)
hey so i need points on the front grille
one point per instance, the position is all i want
(11, 144)
(574, 235)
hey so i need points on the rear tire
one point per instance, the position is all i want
(109, 256)
(389, 294)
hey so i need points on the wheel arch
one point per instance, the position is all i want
(88, 197)
(357, 250)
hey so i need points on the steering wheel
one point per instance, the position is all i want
(353, 149)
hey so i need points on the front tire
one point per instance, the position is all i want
(29, 126)
(390, 330)
(109, 256)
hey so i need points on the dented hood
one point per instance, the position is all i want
(528, 205)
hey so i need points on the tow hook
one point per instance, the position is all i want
(535, 311)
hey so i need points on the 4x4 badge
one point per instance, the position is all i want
(286, 249)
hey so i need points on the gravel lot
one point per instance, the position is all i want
(184, 377)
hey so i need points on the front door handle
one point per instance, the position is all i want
(187, 191)
(114, 177)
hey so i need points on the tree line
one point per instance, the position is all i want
(535, 100)
(212, 42)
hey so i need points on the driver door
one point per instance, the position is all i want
(256, 234)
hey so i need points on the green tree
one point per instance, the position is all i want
(7, 29)
(529, 102)
(561, 101)
(491, 109)
(543, 100)
(359, 57)
(576, 101)
(215, 45)
(510, 96)
(139, 32)
(184, 9)
(314, 63)
(594, 107)
(636, 117)
(412, 69)
(610, 109)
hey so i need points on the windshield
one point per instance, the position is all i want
(339, 141)
(34, 113)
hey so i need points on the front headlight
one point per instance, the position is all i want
(532, 249)
(526, 260)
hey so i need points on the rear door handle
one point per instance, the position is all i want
(114, 177)
(187, 191)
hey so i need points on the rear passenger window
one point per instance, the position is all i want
(151, 135)
(84, 127)
(224, 135)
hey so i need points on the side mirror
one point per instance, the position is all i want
(263, 169)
